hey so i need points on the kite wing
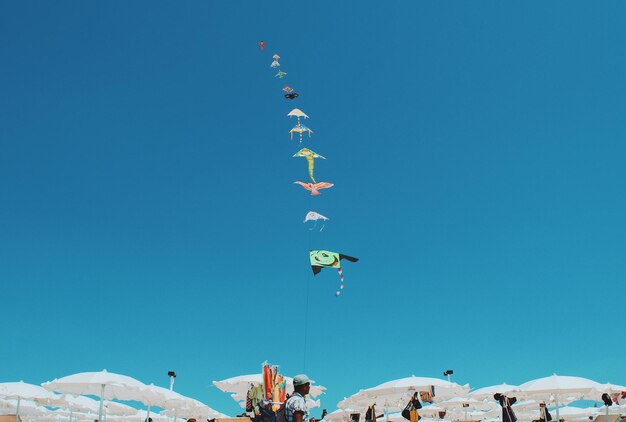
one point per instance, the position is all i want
(306, 186)
(349, 258)
(313, 216)
(323, 185)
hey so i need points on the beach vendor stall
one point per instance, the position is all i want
(262, 394)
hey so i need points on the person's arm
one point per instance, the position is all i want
(298, 415)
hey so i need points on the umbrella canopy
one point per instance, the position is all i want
(431, 411)
(118, 409)
(22, 390)
(163, 397)
(562, 386)
(488, 392)
(194, 409)
(461, 403)
(340, 415)
(393, 395)
(570, 413)
(27, 408)
(75, 403)
(106, 385)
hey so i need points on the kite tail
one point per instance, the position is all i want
(311, 167)
(340, 271)
(323, 225)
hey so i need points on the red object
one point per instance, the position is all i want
(262, 45)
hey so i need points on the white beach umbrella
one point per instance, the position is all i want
(27, 408)
(561, 386)
(466, 404)
(164, 398)
(194, 409)
(612, 389)
(488, 392)
(24, 391)
(74, 404)
(570, 413)
(118, 409)
(393, 395)
(432, 411)
(340, 415)
(106, 385)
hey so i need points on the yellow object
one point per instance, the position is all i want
(414, 415)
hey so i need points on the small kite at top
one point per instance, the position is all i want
(310, 158)
(326, 259)
(315, 188)
(314, 216)
(289, 93)
(262, 45)
(276, 57)
(280, 74)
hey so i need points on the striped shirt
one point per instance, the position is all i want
(296, 403)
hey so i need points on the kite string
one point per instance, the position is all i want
(306, 310)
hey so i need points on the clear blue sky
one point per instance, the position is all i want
(148, 219)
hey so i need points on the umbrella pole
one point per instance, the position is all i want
(101, 403)
(148, 415)
(175, 413)
(607, 414)
(70, 415)
(558, 419)
(17, 410)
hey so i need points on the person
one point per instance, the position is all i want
(544, 415)
(506, 403)
(296, 409)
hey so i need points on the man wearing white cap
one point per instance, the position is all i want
(296, 409)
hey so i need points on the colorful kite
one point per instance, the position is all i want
(276, 57)
(313, 216)
(300, 128)
(275, 64)
(314, 188)
(262, 45)
(280, 74)
(326, 259)
(310, 158)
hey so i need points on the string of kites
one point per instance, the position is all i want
(318, 258)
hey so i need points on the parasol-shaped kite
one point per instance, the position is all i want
(314, 216)
(300, 129)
